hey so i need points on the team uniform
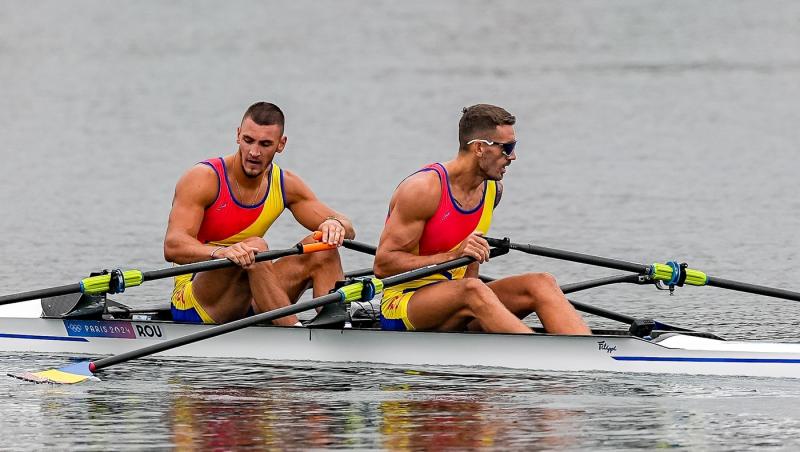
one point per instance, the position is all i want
(443, 232)
(227, 222)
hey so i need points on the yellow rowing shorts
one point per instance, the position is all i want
(184, 306)
(394, 312)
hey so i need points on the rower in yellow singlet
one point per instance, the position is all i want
(223, 207)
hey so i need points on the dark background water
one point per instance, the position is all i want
(648, 131)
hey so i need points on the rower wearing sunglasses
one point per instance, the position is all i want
(440, 213)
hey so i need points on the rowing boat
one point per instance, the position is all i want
(660, 352)
(93, 325)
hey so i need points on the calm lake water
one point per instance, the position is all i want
(648, 131)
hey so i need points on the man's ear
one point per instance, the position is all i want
(282, 144)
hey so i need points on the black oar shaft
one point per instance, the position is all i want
(600, 312)
(360, 247)
(217, 330)
(272, 315)
(215, 264)
(752, 288)
(592, 283)
(40, 293)
(567, 288)
(150, 275)
(642, 269)
(579, 257)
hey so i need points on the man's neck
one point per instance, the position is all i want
(464, 174)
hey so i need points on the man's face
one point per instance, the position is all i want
(258, 146)
(492, 161)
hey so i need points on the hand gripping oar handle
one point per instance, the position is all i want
(350, 292)
(95, 285)
(670, 272)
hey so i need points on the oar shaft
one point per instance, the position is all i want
(600, 312)
(693, 277)
(576, 257)
(272, 315)
(163, 273)
(592, 283)
(216, 331)
(752, 288)
(360, 247)
(40, 293)
(216, 264)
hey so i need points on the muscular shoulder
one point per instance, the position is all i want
(418, 195)
(294, 187)
(199, 184)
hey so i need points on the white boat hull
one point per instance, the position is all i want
(676, 354)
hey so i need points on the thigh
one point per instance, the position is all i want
(514, 293)
(293, 275)
(439, 306)
(223, 293)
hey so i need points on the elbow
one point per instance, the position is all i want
(169, 251)
(379, 268)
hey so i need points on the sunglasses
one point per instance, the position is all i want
(507, 148)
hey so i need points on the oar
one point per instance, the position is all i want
(118, 281)
(605, 313)
(366, 288)
(566, 288)
(670, 273)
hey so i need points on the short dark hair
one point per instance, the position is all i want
(480, 119)
(265, 114)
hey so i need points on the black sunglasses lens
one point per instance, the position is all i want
(508, 148)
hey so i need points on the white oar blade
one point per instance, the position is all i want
(74, 373)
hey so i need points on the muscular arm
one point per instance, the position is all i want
(195, 190)
(310, 211)
(414, 202)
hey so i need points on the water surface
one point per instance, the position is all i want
(648, 131)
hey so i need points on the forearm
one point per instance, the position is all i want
(395, 262)
(187, 250)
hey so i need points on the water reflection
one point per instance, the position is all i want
(229, 405)
(329, 408)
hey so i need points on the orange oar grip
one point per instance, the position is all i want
(312, 247)
(317, 235)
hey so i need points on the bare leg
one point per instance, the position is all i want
(227, 294)
(223, 294)
(291, 276)
(540, 293)
(450, 305)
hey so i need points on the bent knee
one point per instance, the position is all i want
(541, 280)
(476, 294)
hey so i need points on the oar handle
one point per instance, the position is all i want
(95, 285)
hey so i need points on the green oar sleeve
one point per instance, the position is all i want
(664, 272)
(353, 292)
(96, 285)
